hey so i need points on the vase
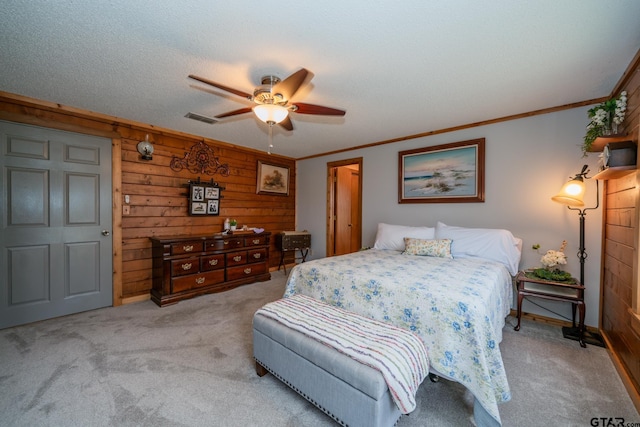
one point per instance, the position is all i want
(232, 227)
(605, 129)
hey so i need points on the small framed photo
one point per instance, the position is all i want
(213, 207)
(212, 193)
(198, 208)
(197, 193)
(272, 179)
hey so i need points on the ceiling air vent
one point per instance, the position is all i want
(201, 118)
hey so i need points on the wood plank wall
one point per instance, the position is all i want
(620, 254)
(158, 195)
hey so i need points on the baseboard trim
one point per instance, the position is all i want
(634, 393)
(550, 320)
(137, 298)
(279, 268)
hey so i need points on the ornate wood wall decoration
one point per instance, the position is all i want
(200, 159)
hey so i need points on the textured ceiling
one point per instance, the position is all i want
(397, 68)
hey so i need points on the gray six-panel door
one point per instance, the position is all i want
(55, 223)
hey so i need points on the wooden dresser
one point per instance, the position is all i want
(188, 266)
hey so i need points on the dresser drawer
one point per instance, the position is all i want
(212, 262)
(194, 281)
(180, 267)
(256, 255)
(247, 270)
(222, 244)
(186, 247)
(255, 241)
(214, 245)
(236, 258)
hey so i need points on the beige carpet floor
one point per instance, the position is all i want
(190, 364)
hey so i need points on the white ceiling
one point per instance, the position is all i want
(397, 67)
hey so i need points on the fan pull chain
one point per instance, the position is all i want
(270, 139)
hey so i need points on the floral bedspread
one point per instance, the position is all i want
(456, 306)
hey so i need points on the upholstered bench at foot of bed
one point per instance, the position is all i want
(351, 393)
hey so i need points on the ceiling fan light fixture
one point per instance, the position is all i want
(271, 113)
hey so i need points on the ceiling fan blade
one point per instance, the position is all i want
(289, 86)
(303, 108)
(234, 112)
(223, 87)
(286, 123)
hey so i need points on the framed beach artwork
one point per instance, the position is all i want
(448, 173)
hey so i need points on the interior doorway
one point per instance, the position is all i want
(344, 206)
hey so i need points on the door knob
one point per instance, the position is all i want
(105, 232)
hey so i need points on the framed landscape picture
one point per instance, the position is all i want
(272, 179)
(448, 173)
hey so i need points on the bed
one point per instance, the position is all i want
(452, 286)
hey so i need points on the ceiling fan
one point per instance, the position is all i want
(273, 99)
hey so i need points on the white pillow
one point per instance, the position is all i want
(493, 244)
(392, 236)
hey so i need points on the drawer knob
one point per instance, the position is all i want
(213, 262)
(187, 248)
(186, 266)
(256, 256)
(226, 242)
(237, 258)
(199, 280)
(247, 271)
(256, 241)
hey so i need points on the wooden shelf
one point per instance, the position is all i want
(614, 172)
(599, 143)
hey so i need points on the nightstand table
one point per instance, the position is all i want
(293, 241)
(558, 291)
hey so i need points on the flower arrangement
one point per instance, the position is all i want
(604, 119)
(550, 260)
(553, 258)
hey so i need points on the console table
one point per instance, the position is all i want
(572, 292)
(188, 266)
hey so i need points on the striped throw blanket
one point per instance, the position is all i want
(398, 354)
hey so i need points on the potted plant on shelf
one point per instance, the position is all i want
(604, 119)
(233, 224)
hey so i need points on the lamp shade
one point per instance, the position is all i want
(271, 113)
(571, 194)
